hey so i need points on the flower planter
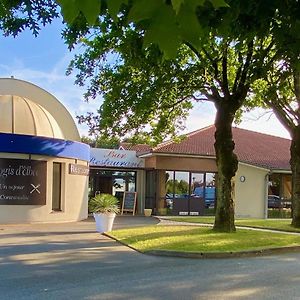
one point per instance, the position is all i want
(104, 222)
(147, 212)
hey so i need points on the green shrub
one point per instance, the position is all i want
(279, 213)
(104, 203)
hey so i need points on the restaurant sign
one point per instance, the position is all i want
(75, 169)
(115, 158)
(22, 182)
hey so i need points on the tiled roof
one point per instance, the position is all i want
(251, 147)
(139, 148)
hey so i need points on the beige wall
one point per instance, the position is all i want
(250, 196)
(181, 163)
(141, 190)
(287, 186)
(11, 86)
(74, 196)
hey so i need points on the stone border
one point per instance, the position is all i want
(205, 255)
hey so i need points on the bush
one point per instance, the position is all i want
(104, 203)
(279, 213)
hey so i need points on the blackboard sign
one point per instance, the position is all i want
(129, 202)
(22, 182)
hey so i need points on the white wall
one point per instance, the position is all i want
(250, 195)
(74, 196)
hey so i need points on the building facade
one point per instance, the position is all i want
(180, 178)
(43, 166)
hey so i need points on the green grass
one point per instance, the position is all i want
(200, 239)
(277, 224)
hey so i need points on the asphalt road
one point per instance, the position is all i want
(71, 261)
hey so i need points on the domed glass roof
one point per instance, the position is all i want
(20, 115)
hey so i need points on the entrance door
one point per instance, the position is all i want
(103, 184)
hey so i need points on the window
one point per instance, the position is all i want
(187, 190)
(56, 186)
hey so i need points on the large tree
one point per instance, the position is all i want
(215, 50)
(280, 89)
(143, 90)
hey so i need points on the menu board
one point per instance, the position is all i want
(22, 182)
(129, 202)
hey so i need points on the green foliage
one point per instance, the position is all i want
(18, 15)
(215, 56)
(104, 203)
(143, 93)
(165, 23)
(102, 142)
(279, 213)
(178, 186)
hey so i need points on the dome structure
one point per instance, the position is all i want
(20, 115)
(47, 102)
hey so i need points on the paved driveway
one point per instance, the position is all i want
(71, 261)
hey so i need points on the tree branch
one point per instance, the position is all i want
(224, 85)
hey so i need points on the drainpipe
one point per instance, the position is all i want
(266, 195)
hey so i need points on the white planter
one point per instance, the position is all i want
(147, 212)
(104, 222)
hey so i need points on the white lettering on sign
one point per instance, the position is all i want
(22, 170)
(115, 158)
(78, 170)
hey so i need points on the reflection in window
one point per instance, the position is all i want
(189, 185)
(169, 184)
(181, 184)
(197, 188)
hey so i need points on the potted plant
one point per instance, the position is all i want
(104, 208)
(147, 212)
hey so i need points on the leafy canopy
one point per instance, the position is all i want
(18, 15)
(165, 23)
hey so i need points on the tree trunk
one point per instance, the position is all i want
(295, 166)
(227, 164)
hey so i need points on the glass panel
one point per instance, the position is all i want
(197, 188)
(169, 184)
(118, 185)
(112, 182)
(274, 185)
(169, 189)
(150, 189)
(181, 184)
(210, 190)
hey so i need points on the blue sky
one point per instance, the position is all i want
(43, 61)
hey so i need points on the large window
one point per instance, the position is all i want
(188, 190)
(112, 182)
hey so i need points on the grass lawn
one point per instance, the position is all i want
(277, 224)
(201, 239)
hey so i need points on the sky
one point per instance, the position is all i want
(43, 61)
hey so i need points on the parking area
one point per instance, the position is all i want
(72, 261)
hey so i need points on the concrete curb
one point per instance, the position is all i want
(214, 255)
